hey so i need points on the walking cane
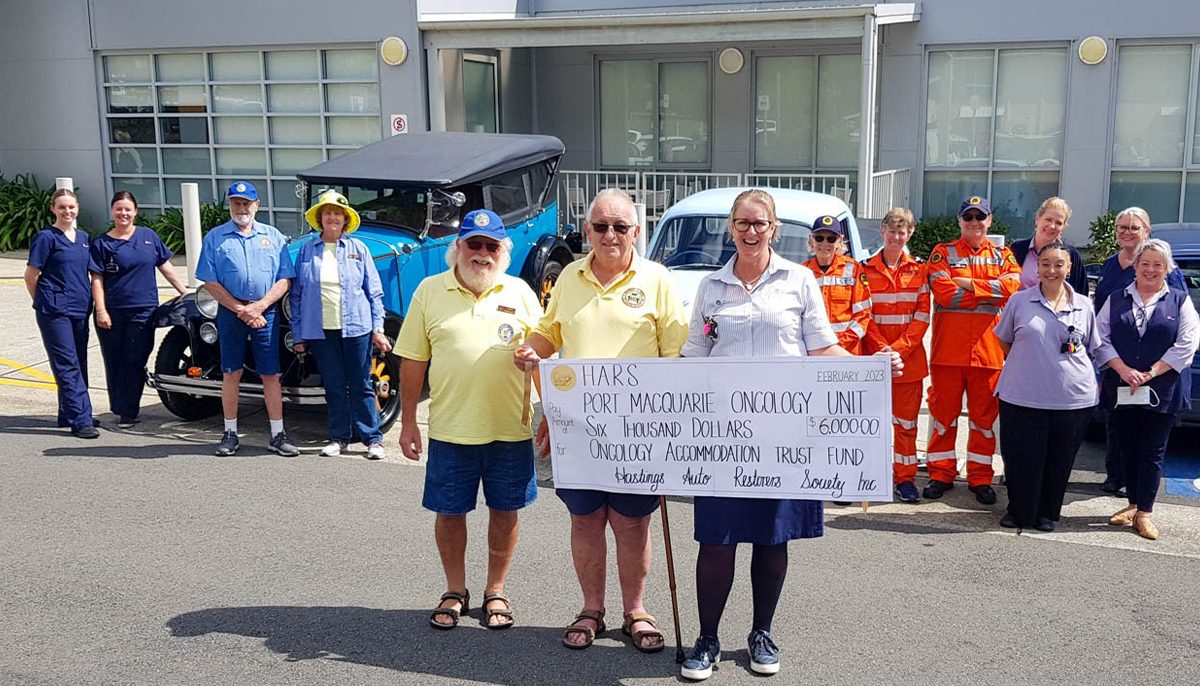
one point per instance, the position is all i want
(662, 501)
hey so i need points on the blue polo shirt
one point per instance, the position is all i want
(127, 267)
(64, 287)
(246, 265)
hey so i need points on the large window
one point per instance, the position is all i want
(480, 100)
(994, 126)
(654, 113)
(807, 113)
(1152, 164)
(210, 118)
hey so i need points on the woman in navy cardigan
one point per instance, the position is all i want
(1148, 335)
(1049, 223)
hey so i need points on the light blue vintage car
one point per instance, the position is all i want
(411, 192)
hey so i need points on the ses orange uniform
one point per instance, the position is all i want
(899, 319)
(966, 354)
(847, 299)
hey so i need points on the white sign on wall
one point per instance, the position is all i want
(399, 124)
(815, 428)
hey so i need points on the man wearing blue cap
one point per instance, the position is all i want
(245, 265)
(462, 328)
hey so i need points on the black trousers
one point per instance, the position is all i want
(1143, 434)
(1038, 448)
(126, 348)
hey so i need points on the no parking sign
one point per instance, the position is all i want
(399, 124)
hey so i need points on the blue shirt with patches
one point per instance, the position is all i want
(246, 265)
(64, 286)
(127, 267)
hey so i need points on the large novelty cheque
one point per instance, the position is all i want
(815, 428)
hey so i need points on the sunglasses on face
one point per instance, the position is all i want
(483, 245)
(619, 228)
(825, 238)
(974, 216)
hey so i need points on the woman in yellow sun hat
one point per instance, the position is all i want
(337, 310)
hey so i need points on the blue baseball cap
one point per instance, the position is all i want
(975, 202)
(482, 223)
(242, 189)
(828, 222)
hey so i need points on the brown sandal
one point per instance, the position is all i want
(489, 613)
(464, 601)
(589, 633)
(637, 636)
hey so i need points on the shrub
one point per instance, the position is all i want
(1102, 234)
(169, 224)
(933, 230)
(24, 210)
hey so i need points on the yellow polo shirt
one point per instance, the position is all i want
(475, 391)
(638, 315)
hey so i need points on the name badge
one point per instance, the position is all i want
(506, 309)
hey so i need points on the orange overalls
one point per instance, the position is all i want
(899, 319)
(847, 299)
(966, 354)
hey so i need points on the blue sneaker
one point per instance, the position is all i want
(906, 491)
(705, 654)
(764, 655)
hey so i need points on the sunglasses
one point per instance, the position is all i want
(483, 245)
(825, 238)
(619, 228)
(974, 216)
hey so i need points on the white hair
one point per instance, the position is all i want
(613, 193)
(1158, 245)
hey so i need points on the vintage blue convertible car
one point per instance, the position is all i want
(411, 191)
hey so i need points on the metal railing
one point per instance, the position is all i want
(659, 190)
(889, 188)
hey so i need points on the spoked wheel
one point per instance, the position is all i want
(385, 379)
(549, 277)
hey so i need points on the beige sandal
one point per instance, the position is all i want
(588, 632)
(1124, 516)
(638, 636)
(1144, 527)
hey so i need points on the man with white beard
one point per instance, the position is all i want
(462, 327)
(245, 265)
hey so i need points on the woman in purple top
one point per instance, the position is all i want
(125, 289)
(57, 279)
(1047, 389)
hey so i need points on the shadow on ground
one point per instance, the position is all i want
(401, 640)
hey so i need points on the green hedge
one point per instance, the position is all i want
(1102, 237)
(933, 230)
(24, 210)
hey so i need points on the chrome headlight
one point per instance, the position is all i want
(206, 303)
(285, 306)
(208, 332)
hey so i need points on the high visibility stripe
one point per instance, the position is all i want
(924, 288)
(981, 459)
(896, 297)
(835, 280)
(892, 318)
(904, 459)
(980, 429)
(922, 317)
(996, 288)
(941, 428)
(906, 423)
(858, 329)
(956, 300)
(860, 306)
(982, 309)
(934, 457)
(951, 253)
(977, 260)
(851, 325)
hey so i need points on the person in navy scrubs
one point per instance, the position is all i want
(125, 291)
(57, 279)
(245, 265)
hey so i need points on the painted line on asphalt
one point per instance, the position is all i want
(18, 368)
(43, 385)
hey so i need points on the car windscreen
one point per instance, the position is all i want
(389, 206)
(1190, 266)
(698, 241)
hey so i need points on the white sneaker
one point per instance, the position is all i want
(375, 451)
(333, 449)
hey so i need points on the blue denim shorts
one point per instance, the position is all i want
(584, 502)
(232, 334)
(453, 473)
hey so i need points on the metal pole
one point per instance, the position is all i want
(640, 246)
(191, 229)
(662, 501)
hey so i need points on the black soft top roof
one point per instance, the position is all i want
(434, 160)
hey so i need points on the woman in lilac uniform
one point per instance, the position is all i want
(126, 293)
